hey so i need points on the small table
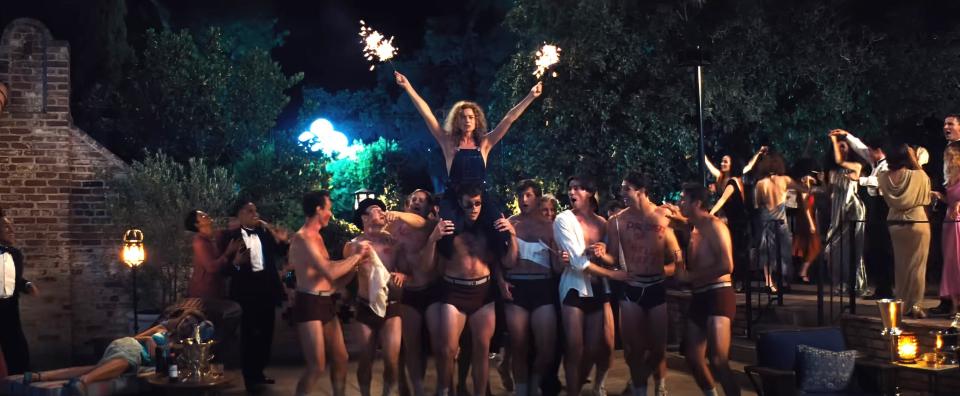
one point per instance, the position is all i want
(208, 387)
(933, 372)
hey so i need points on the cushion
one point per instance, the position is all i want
(820, 370)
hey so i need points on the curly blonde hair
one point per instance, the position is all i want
(951, 157)
(452, 123)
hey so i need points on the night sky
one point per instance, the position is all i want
(322, 40)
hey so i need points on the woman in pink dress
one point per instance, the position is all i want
(950, 281)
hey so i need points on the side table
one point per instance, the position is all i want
(208, 387)
(933, 372)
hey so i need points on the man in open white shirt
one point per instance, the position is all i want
(878, 253)
(12, 341)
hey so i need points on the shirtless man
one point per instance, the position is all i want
(372, 216)
(466, 296)
(642, 243)
(418, 286)
(318, 326)
(713, 306)
(530, 292)
(585, 307)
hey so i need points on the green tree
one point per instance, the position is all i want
(154, 196)
(623, 100)
(198, 97)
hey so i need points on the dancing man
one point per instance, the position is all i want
(314, 307)
(466, 298)
(380, 284)
(642, 243)
(531, 300)
(708, 269)
(584, 290)
(419, 287)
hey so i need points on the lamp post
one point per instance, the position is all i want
(697, 57)
(360, 195)
(133, 256)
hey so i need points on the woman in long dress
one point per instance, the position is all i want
(847, 214)
(731, 204)
(906, 189)
(950, 280)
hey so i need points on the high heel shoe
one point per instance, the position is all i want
(805, 280)
(917, 312)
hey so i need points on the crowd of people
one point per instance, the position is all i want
(443, 275)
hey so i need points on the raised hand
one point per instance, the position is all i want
(537, 90)
(401, 80)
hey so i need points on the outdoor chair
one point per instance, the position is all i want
(777, 370)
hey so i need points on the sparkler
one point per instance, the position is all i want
(376, 46)
(547, 56)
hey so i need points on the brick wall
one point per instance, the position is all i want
(50, 185)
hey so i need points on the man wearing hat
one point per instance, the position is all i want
(380, 285)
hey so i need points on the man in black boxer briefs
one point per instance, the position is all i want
(467, 291)
(530, 292)
(713, 306)
(641, 242)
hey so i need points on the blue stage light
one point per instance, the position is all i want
(323, 137)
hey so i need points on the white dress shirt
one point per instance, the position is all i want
(252, 240)
(569, 236)
(870, 182)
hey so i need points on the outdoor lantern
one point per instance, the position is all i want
(362, 194)
(908, 347)
(133, 254)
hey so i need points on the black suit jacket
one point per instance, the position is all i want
(247, 286)
(21, 283)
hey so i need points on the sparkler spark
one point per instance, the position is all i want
(547, 56)
(376, 46)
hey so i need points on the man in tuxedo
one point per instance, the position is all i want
(255, 285)
(12, 284)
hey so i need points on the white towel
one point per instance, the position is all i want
(569, 236)
(377, 285)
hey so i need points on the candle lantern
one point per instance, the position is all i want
(908, 347)
(891, 313)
